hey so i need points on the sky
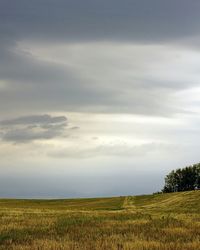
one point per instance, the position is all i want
(97, 98)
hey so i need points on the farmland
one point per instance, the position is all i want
(148, 222)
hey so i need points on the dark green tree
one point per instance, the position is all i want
(184, 179)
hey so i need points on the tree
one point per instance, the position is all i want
(184, 179)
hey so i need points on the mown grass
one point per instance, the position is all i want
(149, 222)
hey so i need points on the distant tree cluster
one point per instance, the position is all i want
(184, 179)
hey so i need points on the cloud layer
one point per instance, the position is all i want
(125, 74)
(140, 21)
(30, 128)
(108, 56)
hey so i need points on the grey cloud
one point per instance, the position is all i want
(53, 85)
(35, 119)
(137, 20)
(57, 87)
(29, 128)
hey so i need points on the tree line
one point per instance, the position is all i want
(183, 179)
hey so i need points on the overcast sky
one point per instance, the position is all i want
(97, 97)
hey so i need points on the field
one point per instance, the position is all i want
(148, 222)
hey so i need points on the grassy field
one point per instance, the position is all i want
(148, 222)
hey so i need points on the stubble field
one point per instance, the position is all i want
(148, 222)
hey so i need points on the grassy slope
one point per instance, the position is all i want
(148, 222)
(171, 202)
(64, 204)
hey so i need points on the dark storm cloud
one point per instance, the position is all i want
(138, 20)
(29, 128)
(37, 85)
(35, 119)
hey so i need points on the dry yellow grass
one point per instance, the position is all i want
(150, 222)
